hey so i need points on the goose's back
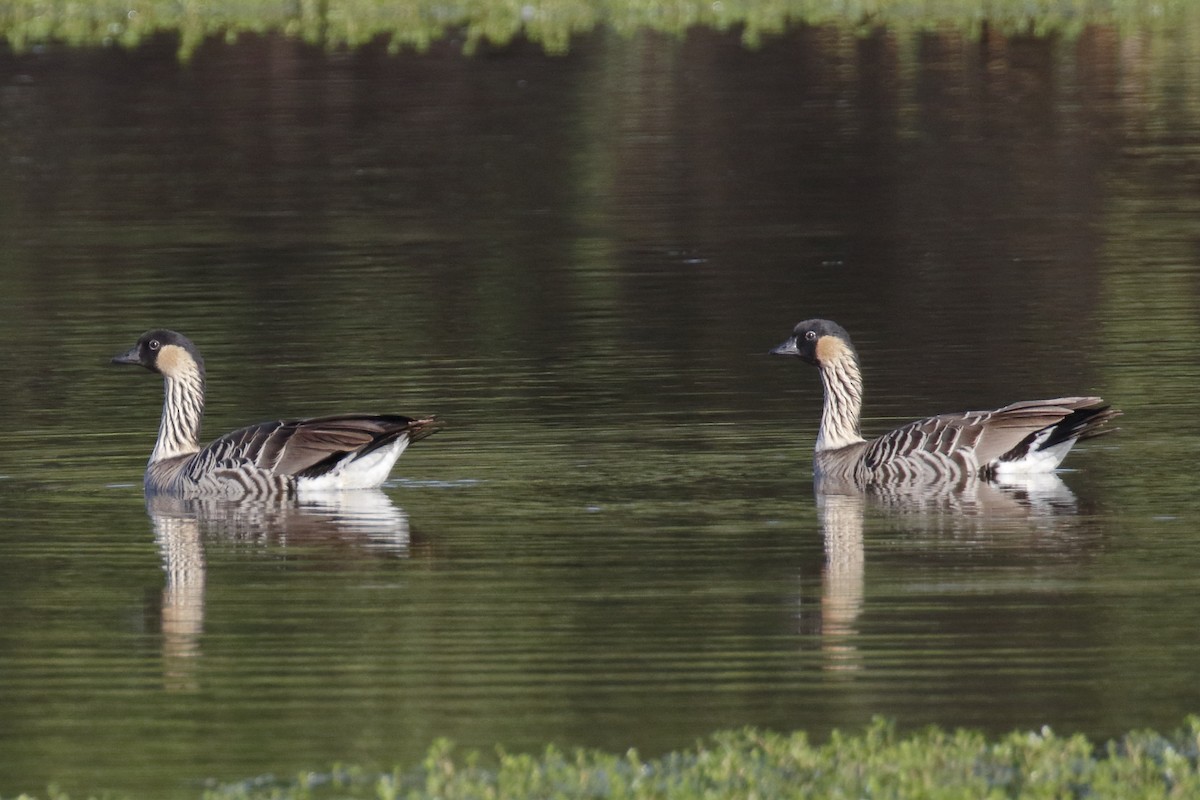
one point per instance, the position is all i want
(952, 446)
(275, 458)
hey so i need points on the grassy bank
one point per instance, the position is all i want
(878, 762)
(550, 23)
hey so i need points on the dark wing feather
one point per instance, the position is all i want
(293, 447)
(1066, 418)
(978, 438)
(312, 443)
(1009, 427)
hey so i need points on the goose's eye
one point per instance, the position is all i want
(810, 335)
(154, 344)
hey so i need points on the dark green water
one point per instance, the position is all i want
(580, 263)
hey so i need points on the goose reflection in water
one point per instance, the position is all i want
(367, 521)
(970, 508)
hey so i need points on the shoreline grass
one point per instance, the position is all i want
(877, 762)
(552, 24)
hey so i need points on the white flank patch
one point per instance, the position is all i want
(1038, 461)
(357, 472)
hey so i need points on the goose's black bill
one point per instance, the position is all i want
(131, 357)
(788, 348)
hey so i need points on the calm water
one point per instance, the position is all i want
(580, 263)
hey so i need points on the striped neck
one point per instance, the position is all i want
(843, 403)
(183, 409)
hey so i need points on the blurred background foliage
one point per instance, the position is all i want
(549, 23)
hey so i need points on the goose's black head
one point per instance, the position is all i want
(817, 341)
(165, 352)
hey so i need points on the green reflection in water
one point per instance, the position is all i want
(417, 25)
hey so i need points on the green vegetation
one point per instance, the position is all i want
(550, 23)
(880, 762)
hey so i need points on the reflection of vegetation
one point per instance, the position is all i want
(877, 763)
(551, 23)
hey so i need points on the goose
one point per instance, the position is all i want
(271, 459)
(1025, 438)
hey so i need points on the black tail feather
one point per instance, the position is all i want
(415, 429)
(1082, 423)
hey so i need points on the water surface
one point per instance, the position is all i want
(580, 262)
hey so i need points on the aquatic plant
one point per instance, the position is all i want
(878, 762)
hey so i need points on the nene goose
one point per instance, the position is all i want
(1020, 439)
(271, 459)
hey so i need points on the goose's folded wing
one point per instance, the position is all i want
(290, 447)
(1043, 424)
(984, 436)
